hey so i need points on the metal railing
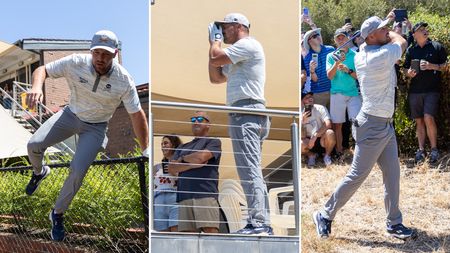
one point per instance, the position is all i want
(292, 158)
(34, 119)
(108, 214)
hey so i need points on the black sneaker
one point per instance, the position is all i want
(245, 230)
(434, 155)
(57, 226)
(251, 230)
(323, 226)
(400, 231)
(36, 180)
(420, 156)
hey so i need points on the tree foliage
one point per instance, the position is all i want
(330, 15)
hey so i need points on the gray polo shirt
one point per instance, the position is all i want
(247, 75)
(94, 98)
(377, 78)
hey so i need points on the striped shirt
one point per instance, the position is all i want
(247, 73)
(93, 97)
(323, 84)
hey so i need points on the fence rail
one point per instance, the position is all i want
(108, 214)
(229, 189)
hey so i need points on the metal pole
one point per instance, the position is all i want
(295, 173)
(144, 192)
(152, 187)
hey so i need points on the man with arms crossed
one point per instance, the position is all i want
(242, 66)
(98, 85)
(197, 165)
(373, 130)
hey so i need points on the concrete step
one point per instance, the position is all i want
(222, 243)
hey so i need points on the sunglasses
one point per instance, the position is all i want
(314, 36)
(198, 119)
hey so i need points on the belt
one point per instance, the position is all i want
(247, 101)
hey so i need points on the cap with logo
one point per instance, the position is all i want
(371, 24)
(105, 39)
(235, 18)
(340, 31)
(419, 25)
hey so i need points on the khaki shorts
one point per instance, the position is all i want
(195, 214)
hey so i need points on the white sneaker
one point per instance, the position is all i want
(312, 161)
(327, 160)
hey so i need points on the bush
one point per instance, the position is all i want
(330, 14)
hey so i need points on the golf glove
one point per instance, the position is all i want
(215, 32)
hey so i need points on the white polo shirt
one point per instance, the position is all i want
(94, 98)
(376, 75)
(247, 75)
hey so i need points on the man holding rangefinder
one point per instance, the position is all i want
(242, 66)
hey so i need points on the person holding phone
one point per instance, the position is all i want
(372, 129)
(165, 193)
(317, 136)
(344, 91)
(423, 92)
(315, 63)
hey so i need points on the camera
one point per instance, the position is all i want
(308, 109)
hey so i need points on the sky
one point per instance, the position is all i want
(80, 19)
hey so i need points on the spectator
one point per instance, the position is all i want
(197, 165)
(317, 135)
(320, 84)
(424, 88)
(303, 75)
(373, 131)
(243, 67)
(98, 85)
(165, 197)
(344, 90)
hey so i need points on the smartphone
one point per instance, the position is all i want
(400, 15)
(315, 58)
(305, 11)
(347, 21)
(308, 109)
(415, 65)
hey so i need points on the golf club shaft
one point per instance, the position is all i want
(349, 41)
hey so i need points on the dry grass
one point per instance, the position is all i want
(360, 225)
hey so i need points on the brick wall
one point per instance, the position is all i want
(10, 243)
(120, 131)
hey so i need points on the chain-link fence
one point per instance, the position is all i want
(108, 214)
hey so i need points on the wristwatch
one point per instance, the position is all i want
(350, 71)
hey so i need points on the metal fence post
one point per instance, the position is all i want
(295, 173)
(144, 192)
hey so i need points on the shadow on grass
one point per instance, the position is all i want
(423, 243)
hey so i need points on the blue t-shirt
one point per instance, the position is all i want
(323, 84)
(196, 183)
(342, 82)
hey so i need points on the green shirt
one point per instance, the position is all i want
(342, 82)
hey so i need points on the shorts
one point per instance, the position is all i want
(322, 98)
(195, 214)
(423, 103)
(165, 211)
(317, 149)
(338, 105)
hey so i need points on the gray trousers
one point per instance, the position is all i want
(248, 133)
(375, 143)
(62, 125)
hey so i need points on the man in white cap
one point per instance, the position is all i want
(372, 128)
(242, 66)
(98, 85)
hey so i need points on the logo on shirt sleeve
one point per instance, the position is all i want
(82, 80)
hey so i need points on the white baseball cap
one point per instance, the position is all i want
(105, 39)
(371, 24)
(235, 18)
